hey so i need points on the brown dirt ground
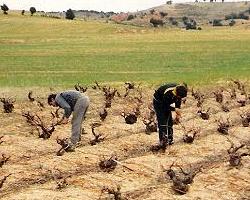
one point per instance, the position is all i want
(34, 164)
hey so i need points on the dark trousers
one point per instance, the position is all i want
(165, 122)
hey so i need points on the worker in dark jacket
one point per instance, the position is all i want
(71, 101)
(164, 96)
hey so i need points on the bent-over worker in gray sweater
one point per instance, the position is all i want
(71, 101)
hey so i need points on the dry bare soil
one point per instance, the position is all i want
(36, 172)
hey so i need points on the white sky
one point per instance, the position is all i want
(98, 5)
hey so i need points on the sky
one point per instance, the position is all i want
(98, 5)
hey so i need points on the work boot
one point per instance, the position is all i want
(164, 143)
(155, 148)
(159, 147)
(170, 142)
(69, 148)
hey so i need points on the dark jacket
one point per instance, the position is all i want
(164, 95)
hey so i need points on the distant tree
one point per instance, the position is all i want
(32, 10)
(169, 2)
(4, 8)
(23, 11)
(130, 17)
(70, 14)
(222, 1)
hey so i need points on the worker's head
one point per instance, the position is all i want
(51, 100)
(181, 91)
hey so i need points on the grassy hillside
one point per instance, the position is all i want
(204, 10)
(203, 13)
(39, 51)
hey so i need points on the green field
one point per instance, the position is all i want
(38, 51)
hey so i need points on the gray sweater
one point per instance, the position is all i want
(67, 101)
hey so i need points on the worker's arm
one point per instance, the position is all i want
(178, 112)
(64, 105)
(177, 109)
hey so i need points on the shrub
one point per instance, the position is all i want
(217, 22)
(163, 14)
(174, 22)
(184, 18)
(231, 16)
(156, 22)
(191, 25)
(23, 11)
(70, 14)
(235, 16)
(130, 17)
(232, 23)
(243, 16)
(171, 19)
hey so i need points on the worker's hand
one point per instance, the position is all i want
(178, 114)
(65, 120)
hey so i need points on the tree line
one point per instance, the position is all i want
(69, 13)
